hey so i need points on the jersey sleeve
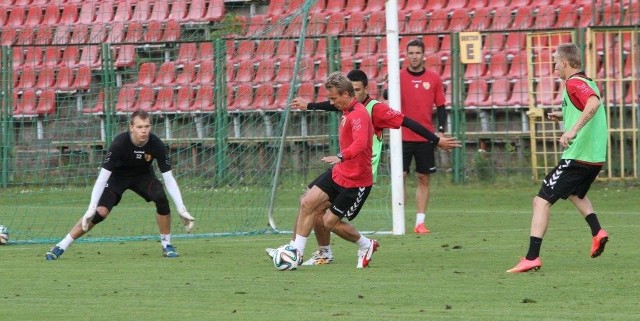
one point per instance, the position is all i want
(383, 116)
(161, 155)
(579, 92)
(113, 154)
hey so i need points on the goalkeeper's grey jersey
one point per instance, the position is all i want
(124, 158)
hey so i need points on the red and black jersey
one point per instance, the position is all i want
(355, 140)
(125, 158)
(383, 117)
(579, 91)
(419, 94)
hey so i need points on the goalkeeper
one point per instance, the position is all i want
(127, 165)
(382, 116)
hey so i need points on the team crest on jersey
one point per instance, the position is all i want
(426, 85)
(148, 157)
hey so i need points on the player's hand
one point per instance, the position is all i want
(299, 103)
(86, 218)
(555, 116)
(187, 220)
(448, 143)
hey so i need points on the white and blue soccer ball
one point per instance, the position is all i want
(4, 235)
(286, 258)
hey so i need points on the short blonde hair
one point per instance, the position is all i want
(571, 53)
(338, 81)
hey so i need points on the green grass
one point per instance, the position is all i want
(455, 273)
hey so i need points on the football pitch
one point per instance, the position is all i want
(457, 272)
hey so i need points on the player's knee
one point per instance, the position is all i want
(97, 218)
(162, 205)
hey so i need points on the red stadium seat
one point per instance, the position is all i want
(165, 101)
(90, 56)
(215, 11)
(126, 100)
(632, 14)
(8, 36)
(546, 93)
(477, 94)
(276, 7)
(172, 32)
(347, 48)
(264, 97)
(33, 57)
(334, 6)
(46, 102)
(500, 92)
(135, 32)
(320, 51)
(459, 19)
(280, 102)
(317, 25)
(27, 105)
(418, 5)
(145, 100)
(52, 56)
(286, 49)
(205, 51)
(26, 36)
(62, 35)
(166, 74)
(117, 33)
(16, 17)
(265, 50)
(160, 11)
(87, 13)
(476, 70)
(519, 94)
(515, 43)
(498, 66)
(18, 59)
(376, 24)
(515, 4)
(246, 51)
(44, 35)
(306, 70)
(98, 108)
(495, 4)
(481, 20)
(178, 11)
(154, 32)
(417, 22)
(501, 19)
(456, 4)
(477, 4)
(34, 16)
(123, 11)
(336, 24)
(52, 15)
(321, 71)
(545, 18)
(98, 34)
(307, 91)
(266, 71)
(356, 24)
(125, 56)
(523, 19)
(204, 100)
(612, 14)
(142, 11)
(355, 6)
(567, 17)
(27, 78)
(205, 74)
(146, 74)
(243, 97)
(79, 34)
(367, 46)
(187, 75)
(65, 79)
(104, 13)
(184, 99)
(285, 71)
(370, 66)
(82, 80)
(519, 66)
(493, 43)
(439, 21)
(187, 52)
(245, 72)
(434, 63)
(376, 5)
(543, 64)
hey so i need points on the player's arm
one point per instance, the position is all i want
(174, 192)
(96, 193)
(590, 109)
(304, 104)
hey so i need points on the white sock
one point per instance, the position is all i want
(420, 218)
(66, 241)
(165, 239)
(300, 243)
(363, 242)
(326, 249)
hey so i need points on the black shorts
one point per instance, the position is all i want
(145, 185)
(345, 202)
(424, 154)
(568, 178)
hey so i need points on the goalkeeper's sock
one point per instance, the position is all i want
(363, 242)
(165, 239)
(420, 218)
(534, 248)
(66, 241)
(300, 243)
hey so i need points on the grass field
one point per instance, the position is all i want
(455, 273)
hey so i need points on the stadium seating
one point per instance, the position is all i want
(417, 22)
(165, 101)
(477, 94)
(203, 101)
(519, 94)
(567, 17)
(205, 73)
(356, 24)
(498, 67)
(439, 21)
(184, 99)
(166, 74)
(501, 19)
(187, 75)
(481, 19)
(500, 92)
(459, 19)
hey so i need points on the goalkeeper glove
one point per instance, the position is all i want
(186, 219)
(86, 218)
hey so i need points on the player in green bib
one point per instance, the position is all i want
(382, 116)
(585, 150)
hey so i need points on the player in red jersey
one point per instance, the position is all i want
(347, 184)
(420, 91)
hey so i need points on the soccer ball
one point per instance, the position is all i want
(4, 235)
(286, 258)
